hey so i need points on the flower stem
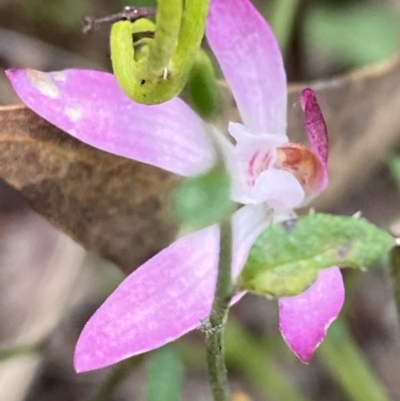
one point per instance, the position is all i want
(217, 319)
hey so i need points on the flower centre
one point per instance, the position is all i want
(259, 162)
(301, 162)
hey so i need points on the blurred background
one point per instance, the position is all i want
(349, 52)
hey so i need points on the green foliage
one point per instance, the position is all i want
(394, 165)
(204, 200)
(358, 35)
(344, 360)
(164, 375)
(169, 57)
(259, 364)
(66, 15)
(286, 258)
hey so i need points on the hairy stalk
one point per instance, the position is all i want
(217, 319)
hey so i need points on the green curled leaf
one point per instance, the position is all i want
(166, 59)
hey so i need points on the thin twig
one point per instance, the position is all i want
(217, 319)
(128, 13)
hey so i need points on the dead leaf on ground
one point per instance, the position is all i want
(109, 204)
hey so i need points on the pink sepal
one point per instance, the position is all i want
(90, 106)
(305, 318)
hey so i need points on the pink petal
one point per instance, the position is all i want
(315, 125)
(248, 141)
(279, 189)
(166, 297)
(305, 318)
(90, 106)
(251, 61)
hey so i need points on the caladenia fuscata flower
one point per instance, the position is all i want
(172, 293)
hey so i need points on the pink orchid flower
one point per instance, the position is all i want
(172, 293)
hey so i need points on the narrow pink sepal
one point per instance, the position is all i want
(90, 106)
(315, 125)
(166, 297)
(251, 61)
(305, 318)
(317, 134)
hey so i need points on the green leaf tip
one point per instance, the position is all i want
(287, 257)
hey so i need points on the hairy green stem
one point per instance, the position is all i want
(169, 16)
(191, 33)
(217, 319)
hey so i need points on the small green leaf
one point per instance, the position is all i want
(165, 375)
(202, 88)
(204, 200)
(286, 258)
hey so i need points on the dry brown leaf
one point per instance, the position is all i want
(109, 204)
